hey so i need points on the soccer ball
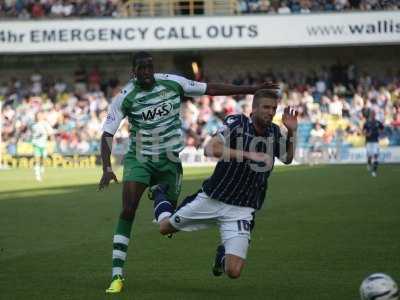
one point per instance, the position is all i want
(379, 286)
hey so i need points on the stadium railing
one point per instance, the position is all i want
(153, 8)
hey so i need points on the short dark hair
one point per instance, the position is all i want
(262, 94)
(140, 55)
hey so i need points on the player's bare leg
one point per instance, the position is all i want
(233, 265)
(166, 227)
(374, 165)
(38, 166)
(230, 264)
(369, 166)
(131, 194)
(42, 165)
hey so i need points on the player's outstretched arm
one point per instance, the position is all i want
(216, 147)
(216, 89)
(106, 147)
(289, 119)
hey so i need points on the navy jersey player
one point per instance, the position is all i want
(246, 148)
(372, 129)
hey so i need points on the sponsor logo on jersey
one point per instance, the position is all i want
(157, 112)
(230, 120)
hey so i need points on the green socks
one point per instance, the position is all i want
(120, 246)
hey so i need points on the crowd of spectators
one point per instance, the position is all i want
(333, 104)
(307, 6)
(36, 9)
(74, 110)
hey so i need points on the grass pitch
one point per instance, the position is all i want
(321, 231)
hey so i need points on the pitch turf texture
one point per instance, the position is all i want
(322, 230)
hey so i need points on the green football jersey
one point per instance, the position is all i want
(40, 133)
(154, 115)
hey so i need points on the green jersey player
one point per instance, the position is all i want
(151, 102)
(41, 130)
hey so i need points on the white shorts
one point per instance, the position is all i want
(233, 221)
(372, 149)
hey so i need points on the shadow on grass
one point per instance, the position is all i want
(79, 189)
